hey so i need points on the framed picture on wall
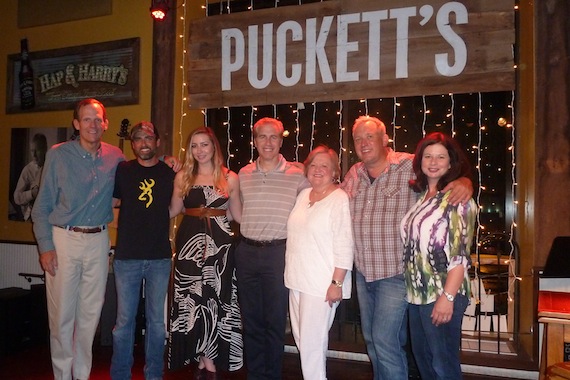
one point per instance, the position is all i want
(28, 147)
(107, 71)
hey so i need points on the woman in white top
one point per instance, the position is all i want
(318, 259)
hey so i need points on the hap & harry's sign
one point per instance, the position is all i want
(108, 71)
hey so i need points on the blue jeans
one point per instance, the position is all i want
(383, 316)
(129, 275)
(436, 348)
(263, 301)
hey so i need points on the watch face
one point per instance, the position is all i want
(449, 297)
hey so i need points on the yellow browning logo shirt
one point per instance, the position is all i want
(146, 191)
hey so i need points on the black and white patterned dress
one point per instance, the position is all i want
(204, 314)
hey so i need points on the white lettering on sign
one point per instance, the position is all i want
(402, 17)
(267, 55)
(442, 60)
(275, 40)
(373, 19)
(228, 67)
(281, 53)
(315, 51)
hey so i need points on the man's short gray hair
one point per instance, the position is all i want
(363, 119)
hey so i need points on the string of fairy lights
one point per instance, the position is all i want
(313, 124)
(451, 114)
(480, 188)
(309, 123)
(394, 125)
(182, 67)
(512, 244)
(425, 113)
(298, 143)
(183, 104)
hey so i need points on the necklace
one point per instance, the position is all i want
(315, 196)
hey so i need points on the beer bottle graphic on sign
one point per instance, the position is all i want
(26, 75)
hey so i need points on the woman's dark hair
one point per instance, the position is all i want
(460, 166)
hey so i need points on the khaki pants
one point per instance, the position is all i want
(75, 297)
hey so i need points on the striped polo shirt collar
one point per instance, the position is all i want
(281, 166)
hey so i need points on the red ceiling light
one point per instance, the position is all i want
(158, 9)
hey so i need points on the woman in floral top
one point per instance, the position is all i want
(437, 239)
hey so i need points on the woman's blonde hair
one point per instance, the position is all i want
(190, 167)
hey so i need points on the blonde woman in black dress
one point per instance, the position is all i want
(205, 324)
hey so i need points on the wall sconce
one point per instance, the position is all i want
(158, 9)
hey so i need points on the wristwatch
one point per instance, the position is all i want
(449, 297)
(336, 283)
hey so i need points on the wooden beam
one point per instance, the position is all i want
(163, 56)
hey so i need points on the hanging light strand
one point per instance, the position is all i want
(297, 133)
(452, 114)
(251, 145)
(227, 124)
(479, 176)
(205, 110)
(394, 123)
(512, 258)
(425, 116)
(313, 123)
(340, 131)
(477, 280)
(181, 148)
(183, 93)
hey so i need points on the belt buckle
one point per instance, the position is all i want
(85, 230)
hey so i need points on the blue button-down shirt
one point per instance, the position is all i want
(76, 189)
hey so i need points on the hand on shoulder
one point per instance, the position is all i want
(299, 165)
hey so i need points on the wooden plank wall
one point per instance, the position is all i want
(488, 36)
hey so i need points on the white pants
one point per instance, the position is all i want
(75, 297)
(311, 320)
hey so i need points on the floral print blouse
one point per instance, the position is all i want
(437, 237)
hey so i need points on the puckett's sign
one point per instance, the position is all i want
(351, 50)
(108, 71)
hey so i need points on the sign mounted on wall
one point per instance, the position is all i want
(351, 50)
(108, 71)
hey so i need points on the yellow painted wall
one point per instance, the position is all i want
(129, 18)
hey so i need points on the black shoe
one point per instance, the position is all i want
(200, 374)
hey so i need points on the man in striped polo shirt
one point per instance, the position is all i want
(269, 187)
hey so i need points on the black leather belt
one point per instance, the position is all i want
(85, 230)
(264, 243)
